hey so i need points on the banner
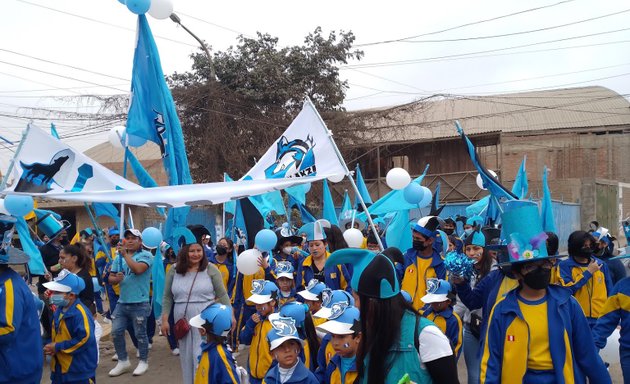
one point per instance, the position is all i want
(46, 165)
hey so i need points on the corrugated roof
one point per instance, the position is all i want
(106, 153)
(573, 108)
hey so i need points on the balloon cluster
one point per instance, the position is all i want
(160, 9)
(457, 264)
(415, 193)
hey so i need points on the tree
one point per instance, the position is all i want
(230, 120)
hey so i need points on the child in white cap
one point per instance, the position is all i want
(345, 329)
(439, 299)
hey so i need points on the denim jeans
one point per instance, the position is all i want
(471, 355)
(624, 358)
(135, 314)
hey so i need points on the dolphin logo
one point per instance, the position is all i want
(257, 287)
(337, 310)
(294, 158)
(284, 326)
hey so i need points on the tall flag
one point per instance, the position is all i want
(44, 164)
(549, 225)
(345, 205)
(35, 263)
(329, 212)
(306, 215)
(399, 231)
(152, 114)
(489, 181)
(394, 200)
(363, 190)
(521, 186)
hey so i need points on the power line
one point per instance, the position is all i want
(465, 25)
(214, 24)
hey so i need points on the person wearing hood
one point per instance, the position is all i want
(604, 248)
(586, 276)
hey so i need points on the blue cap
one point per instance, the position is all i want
(476, 238)
(294, 310)
(314, 231)
(66, 281)
(343, 321)
(313, 290)
(219, 316)
(113, 231)
(474, 221)
(263, 291)
(437, 291)
(284, 269)
(427, 226)
(283, 329)
(330, 298)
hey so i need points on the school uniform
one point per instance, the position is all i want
(418, 270)
(450, 324)
(241, 291)
(216, 365)
(335, 276)
(341, 370)
(260, 359)
(324, 355)
(300, 375)
(227, 271)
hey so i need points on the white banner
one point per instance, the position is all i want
(304, 149)
(180, 195)
(45, 165)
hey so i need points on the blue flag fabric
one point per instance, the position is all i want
(152, 114)
(329, 212)
(35, 263)
(307, 216)
(363, 190)
(106, 209)
(435, 201)
(157, 276)
(493, 212)
(144, 178)
(549, 225)
(399, 231)
(53, 131)
(393, 201)
(298, 192)
(477, 208)
(229, 206)
(489, 182)
(346, 206)
(521, 186)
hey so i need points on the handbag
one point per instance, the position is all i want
(182, 327)
(475, 325)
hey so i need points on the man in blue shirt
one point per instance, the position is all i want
(132, 271)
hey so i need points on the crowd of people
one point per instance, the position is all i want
(317, 311)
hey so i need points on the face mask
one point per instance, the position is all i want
(58, 300)
(538, 278)
(468, 231)
(221, 250)
(419, 245)
(448, 231)
(287, 250)
(114, 242)
(585, 252)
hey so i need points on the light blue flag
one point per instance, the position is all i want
(307, 216)
(144, 178)
(493, 212)
(152, 114)
(329, 212)
(345, 205)
(268, 203)
(298, 192)
(399, 231)
(157, 276)
(53, 131)
(363, 190)
(106, 209)
(229, 206)
(35, 263)
(549, 225)
(393, 201)
(521, 186)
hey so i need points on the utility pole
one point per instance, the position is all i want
(177, 20)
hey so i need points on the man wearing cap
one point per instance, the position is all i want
(131, 270)
(537, 333)
(21, 357)
(422, 262)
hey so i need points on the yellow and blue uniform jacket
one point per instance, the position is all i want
(414, 281)
(335, 276)
(227, 271)
(324, 355)
(590, 290)
(216, 365)
(255, 335)
(450, 324)
(75, 355)
(506, 346)
(333, 372)
(21, 357)
(301, 375)
(616, 310)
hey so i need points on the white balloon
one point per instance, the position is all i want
(247, 262)
(353, 237)
(3, 210)
(115, 136)
(161, 9)
(336, 178)
(610, 353)
(480, 181)
(397, 178)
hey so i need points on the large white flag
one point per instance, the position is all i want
(44, 164)
(306, 148)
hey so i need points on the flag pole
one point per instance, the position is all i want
(347, 173)
(122, 205)
(99, 232)
(5, 180)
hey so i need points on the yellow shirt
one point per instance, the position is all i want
(535, 315)
(422, 271)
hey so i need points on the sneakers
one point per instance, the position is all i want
(115, 357)
(137, 353)
(175, 352)
(106, 320)
(122, 367)
(141, 369)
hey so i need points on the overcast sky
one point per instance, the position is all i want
(78, 47)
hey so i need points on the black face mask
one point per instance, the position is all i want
(585, 252)
(538, 278)
(419, 245)
(221, 250)
(114, 242)
(448, 231)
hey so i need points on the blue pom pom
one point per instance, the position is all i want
(459, 265)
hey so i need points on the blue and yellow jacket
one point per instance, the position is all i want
(227, 271)
(616, 310)
(301, 375)
(324, 355)
(591, 291)
(21, 357)
(283, 300)
(335, 276)
(75, 355)
(280, 256)
(414, 281)
(255, 335)
(216, 365)
(450, 324)
(333, 372)
(506, 346)
(243, 286)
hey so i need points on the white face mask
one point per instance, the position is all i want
(287, 250)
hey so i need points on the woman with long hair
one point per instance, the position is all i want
(190, 286)
(396, 339)
(75, 259)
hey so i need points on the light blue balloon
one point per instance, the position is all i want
(427, 195)
(138, 7)
(136, 141)
(151, 237)
(18, 205)
(122, 2)
(266, 240)
(413, 193)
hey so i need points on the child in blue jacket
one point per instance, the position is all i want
(440, 311)
(73, 347)
(216, 364)
(344, 328)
